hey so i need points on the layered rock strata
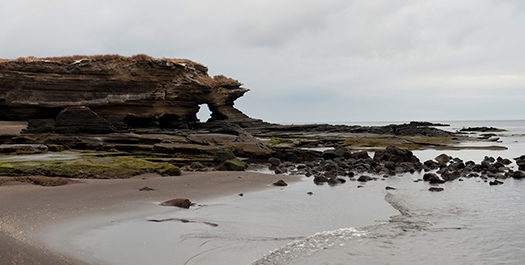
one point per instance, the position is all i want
(104, 93)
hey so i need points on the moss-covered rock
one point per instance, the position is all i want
(110, 167)
(231, 165)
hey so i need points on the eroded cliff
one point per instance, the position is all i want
(102, 93)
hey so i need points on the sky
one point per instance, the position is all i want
(307, 61)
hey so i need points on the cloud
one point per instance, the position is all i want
(385, 57)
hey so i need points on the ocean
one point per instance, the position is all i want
(470, 222)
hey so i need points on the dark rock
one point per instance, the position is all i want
(342, 152)
(320, 180)
(506, 161)
(222, 156)
(277, 170)
(450, 175)
(457, 165)
(432, 178)
(231, 165)
(274, 161)
(330, 174)
(40, 126)
(431, 164)
(178, 202)
(390, 165)
(443, 159)
(146, 189)
(489, 159)
(287, 164)
(481, 129)
(364, 178)
(226, 160)
(472, 175)
(470, 164)
(338, 152)
(415, 128)
(518, 174)
(280, 183)
(395, 154)
(435, 189)
(495, 182)
(360, 155)
(389, 188)
(332, 181)
(301, 166)
(520, 161)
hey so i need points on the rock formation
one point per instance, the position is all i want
(107, 92)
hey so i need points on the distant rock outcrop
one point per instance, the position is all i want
(111, 92)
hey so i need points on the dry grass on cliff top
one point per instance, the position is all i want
(221, 80)
(218, 80)
(106, 57)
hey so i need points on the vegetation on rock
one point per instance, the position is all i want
(110, 167)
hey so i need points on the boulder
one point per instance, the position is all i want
(431, 164)
(436, 189)
(395, 154)
(495, 182)
(223, 155)
(231, 165)
(280, 183)
(178, 202)
(443, 159)
(364, 178)
(432, 178)
(518, 174)
(225, 160)
(520, 161)
(274, 161)
(360, 155)
(320, 180)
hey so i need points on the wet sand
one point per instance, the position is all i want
(12, 127)
(28, 211)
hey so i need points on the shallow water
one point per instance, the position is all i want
(248, 226)
(469, 222)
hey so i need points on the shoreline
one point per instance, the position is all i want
(28, 229)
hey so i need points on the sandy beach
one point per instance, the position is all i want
(27, 211)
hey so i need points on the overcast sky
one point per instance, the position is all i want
(307, 61)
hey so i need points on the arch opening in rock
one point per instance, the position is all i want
(204, 113)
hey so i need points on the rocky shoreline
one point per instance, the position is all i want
(109, 116)
(285, 149)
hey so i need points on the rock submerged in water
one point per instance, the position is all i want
(178, 202)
